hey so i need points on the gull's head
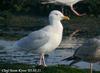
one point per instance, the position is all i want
(57, 15)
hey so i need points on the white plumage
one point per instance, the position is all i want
(44, 40)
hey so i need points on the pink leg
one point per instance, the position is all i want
(62, 9)
(91, 65)
(75, 11)
(40, 62)
(44, 61)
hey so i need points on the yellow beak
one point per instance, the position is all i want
(66, 18)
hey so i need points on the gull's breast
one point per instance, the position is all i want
(53, 43)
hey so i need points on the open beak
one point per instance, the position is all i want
(66, 18)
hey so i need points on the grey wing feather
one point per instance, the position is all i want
(33, 41)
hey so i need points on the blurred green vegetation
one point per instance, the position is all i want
(41, 69)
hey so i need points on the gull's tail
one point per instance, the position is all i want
(75, 60)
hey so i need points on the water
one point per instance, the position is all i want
(54, 57)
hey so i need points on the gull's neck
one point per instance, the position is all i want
(57, 26)
(55, 22)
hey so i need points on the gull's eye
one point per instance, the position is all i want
(56, 14)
